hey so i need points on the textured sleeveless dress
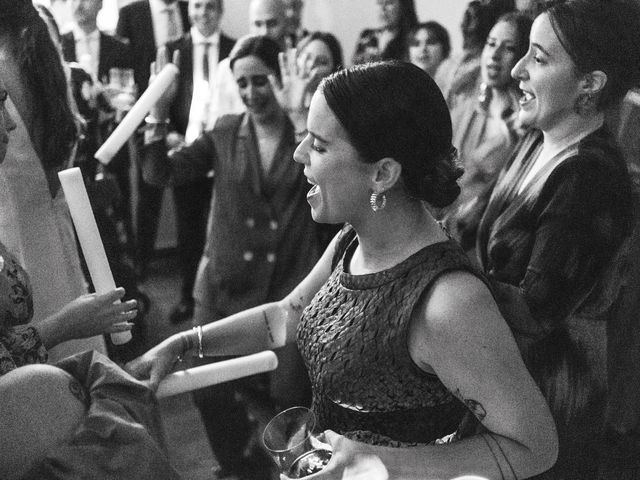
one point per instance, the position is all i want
(353, 339)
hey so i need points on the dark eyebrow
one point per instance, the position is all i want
(539, 47)
(315, 135)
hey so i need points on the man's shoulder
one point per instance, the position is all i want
(135, 8)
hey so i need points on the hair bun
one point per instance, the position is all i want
(440, 187)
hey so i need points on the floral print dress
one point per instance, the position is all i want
(20, 343)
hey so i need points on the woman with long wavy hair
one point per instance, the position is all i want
(34, 221)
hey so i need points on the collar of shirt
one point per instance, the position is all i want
(198, 39)
(80, 35)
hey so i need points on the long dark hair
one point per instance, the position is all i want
(41, 67)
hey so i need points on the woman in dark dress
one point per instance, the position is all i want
(399, 335)
(560, 211)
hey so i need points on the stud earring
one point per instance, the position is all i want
(378, 201)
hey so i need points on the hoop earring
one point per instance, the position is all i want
(378, 201)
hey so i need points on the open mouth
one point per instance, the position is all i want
(526, 98)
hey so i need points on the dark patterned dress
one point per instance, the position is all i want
(353, 338)
(20, 343)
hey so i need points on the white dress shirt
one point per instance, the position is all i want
(87, 50)
(167, 21)
(202, 87)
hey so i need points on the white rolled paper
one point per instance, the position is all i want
(214, 373)
(89, 237)
(136, 115)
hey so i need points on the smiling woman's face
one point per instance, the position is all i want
(6, 122)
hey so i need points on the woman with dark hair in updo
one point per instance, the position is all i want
(551, 235)
(399, 335)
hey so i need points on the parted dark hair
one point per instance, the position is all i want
(439, 33)
(601, 35)
(394, 109)
(330, 41)
(42, 70)
(259, 46)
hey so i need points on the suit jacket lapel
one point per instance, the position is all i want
(69, 47)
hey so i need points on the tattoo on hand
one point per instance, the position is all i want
(473, 405)
(297, 307)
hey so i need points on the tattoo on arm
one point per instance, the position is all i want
(266, 322)
(473, 405)
(499, 456)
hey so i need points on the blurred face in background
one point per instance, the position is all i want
(85, 12)
(267, 17)
(205, 15)
(293, 13)
(252, 76)
(317, 55)
(390, 13)
(425, 51)
(499, 55)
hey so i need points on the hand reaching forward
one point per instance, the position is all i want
(160, 110)
(155, 364)
(89, 315)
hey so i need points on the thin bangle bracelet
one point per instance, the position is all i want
(198, 330)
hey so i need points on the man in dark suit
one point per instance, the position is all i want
(96, 53)
(200, 51)
(147, 25)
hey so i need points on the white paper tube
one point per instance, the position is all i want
(89, 237)
(214, 373)
(136, 115)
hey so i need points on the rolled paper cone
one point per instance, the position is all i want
(89, 237)
(214, 373)
(136, 115)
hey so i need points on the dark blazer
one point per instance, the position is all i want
(180, 109)
(135, 25)
(113, 53)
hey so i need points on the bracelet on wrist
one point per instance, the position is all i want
(151, 120)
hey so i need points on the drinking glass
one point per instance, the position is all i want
(121, 89)
(288, 437)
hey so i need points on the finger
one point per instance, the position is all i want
(291, 59)
(282, 63)
(110, 296)
(330, 437)
(275, 83)
(162, 58)
(119, 327)
(152, 69)
(176, 58)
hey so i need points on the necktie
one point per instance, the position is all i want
(172, 27)
(205, 60)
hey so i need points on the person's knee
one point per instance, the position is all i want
(40, 407)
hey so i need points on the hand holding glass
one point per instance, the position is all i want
(289, 439)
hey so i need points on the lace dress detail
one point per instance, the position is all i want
(353, 339)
